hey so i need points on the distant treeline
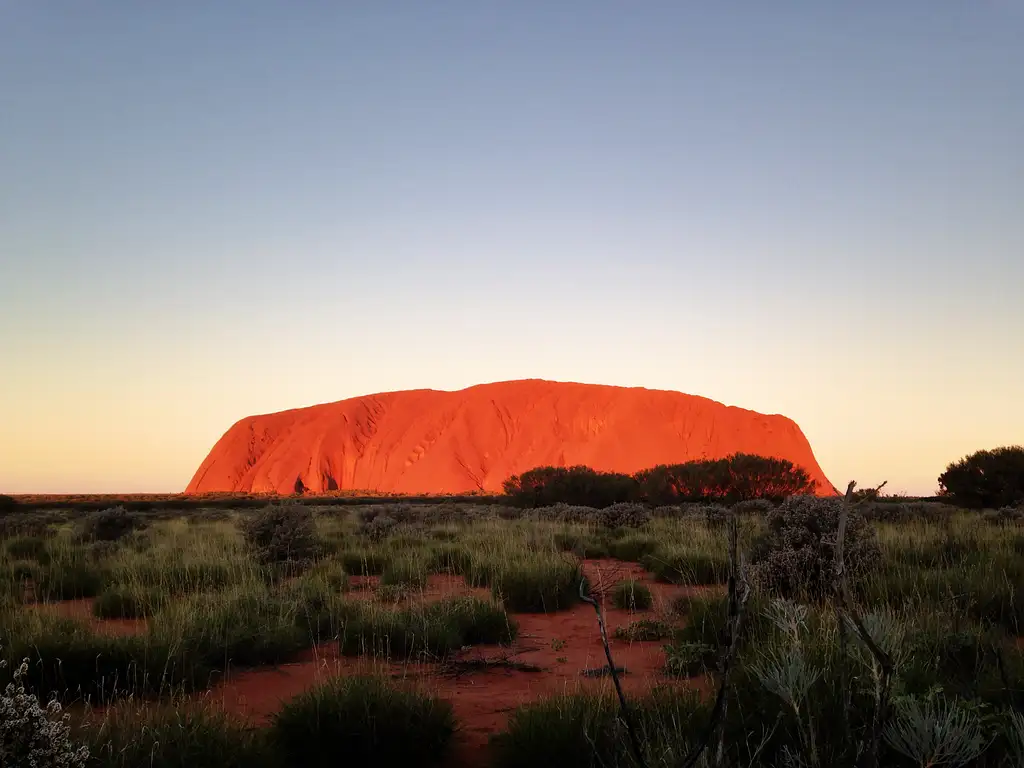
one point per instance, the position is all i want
(735, 478)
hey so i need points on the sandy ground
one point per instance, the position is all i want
(484, 683)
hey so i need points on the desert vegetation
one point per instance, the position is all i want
(130, 637)
(736, 478)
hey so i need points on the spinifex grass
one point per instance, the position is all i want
(172, 735)
(433, 630)
(244, 627)
(362, 721)
(538, 584)
(127, 602)
(408, 571)
(632, 595)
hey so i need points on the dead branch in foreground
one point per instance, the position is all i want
(627, 718)
(848, 609)
(739, 592)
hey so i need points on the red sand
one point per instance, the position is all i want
(562, 645)
(426, 441)
(81, 610)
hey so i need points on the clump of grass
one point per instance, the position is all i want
(363, 721)
(679, 566)
(407, 572)
(633, 547)
(245, 627)
(449, 558)
(479, 621)
(125, 602)
(538, 585)
(584, 730)
(28, 547)
(69, 579)
(178, 575)
(686, 659)
(111, 524)
(568, 731)
(644, 630)
(393, 593)
(282, 534)
(433, 630)
(632, 595)
(364, 562)
(174, 736)
(69, 661)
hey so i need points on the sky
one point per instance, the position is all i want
(212, 210)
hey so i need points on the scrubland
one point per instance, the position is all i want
(454, 634)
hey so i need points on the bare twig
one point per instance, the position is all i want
(623, 704)
(846, 604)
(739, 592)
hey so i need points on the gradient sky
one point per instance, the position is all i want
(210, 210)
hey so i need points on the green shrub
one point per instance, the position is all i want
(111, 524)
(69, 580)
(449, 558)
(585, 731)
(69, 661)
(633, 547)
(282, 534)
(568, 731)
(175, 737)
(434, 630)
(796, 557)
(688, 659)
(479, 621)
(991, 479)
(123, 602)
(623, 515)
(28, 548)
(538, 585)
(243, 628)
(632, 596)
(406, 572)
(176, 577)
(759, 507)
(544, 486)
(362, 721)
(675, 566)
(364, 562)
(739, 477)
(644, 630)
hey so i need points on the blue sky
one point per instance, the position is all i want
(211, 211)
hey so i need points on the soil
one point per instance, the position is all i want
(551, 655)
(82, 610)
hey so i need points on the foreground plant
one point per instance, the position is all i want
(936, 732)
(363, 721)
(32, 736)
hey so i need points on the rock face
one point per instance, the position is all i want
(426, 441)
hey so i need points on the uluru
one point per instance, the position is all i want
(434, 442)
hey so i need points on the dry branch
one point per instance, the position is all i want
(623, 704)
(739, 592)
(848, 609)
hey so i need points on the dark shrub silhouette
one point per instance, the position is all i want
(580, 485)
(986, 479)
